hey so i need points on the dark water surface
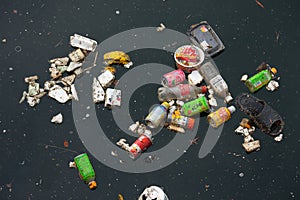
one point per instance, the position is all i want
(33, 29)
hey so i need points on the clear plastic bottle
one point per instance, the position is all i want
(220, 116)
(158, 115)
(180, 92)
(212, 77)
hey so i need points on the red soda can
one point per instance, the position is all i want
(140, 145)
(173, 78)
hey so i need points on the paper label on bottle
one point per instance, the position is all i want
(218, 84)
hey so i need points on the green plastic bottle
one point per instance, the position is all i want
(195, 106)
(260, 79)
(86, 170)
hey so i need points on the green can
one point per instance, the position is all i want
(86, 170)
(195, 106)
(259, 80)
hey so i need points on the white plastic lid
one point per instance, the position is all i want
(231, 109)
(228, 98)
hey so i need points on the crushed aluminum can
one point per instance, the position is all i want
(244, 78)
(77, 55)
(74, 93)
(57, 119)
(251, 146)
(60, 61)
(73, 65)
(59, 94)
(112, 97)
(98, 92)
(83, 42)
(272, 85)
(195, 78)
(106, 78)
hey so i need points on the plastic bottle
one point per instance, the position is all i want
(182, 121)
(212, 77)
(180, 92)
(195, 106)
(86, 170)
(157, 115)
(260, 79)
(173, 78)
(220, 116)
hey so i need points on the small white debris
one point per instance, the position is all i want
(244, 78)
(74, 93)
(98, 92)
(161, 27)
(112, 97)
(141, 129)
(251, 146)
(122, 143)
(24, 95)
(133, 127)
(57, 119)
(210, 91)
(83, 42)
(73, 65)
(272, 85)
(279, 138)
(241, 174)
(59, 94)
(72, 165)
(213, 102)
(106, 78)
(195, 78)
(128, 65)
(179, 103)
(114, 153)
(32, 101)
(117, 12)
(10, 68)
(228, 98)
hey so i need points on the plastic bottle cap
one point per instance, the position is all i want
(92, 185)
(231, 109)
(228, 98)
(165, 104)
(273, 70)
(204, 89)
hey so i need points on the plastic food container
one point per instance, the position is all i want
(189, 58)
(203, 36)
